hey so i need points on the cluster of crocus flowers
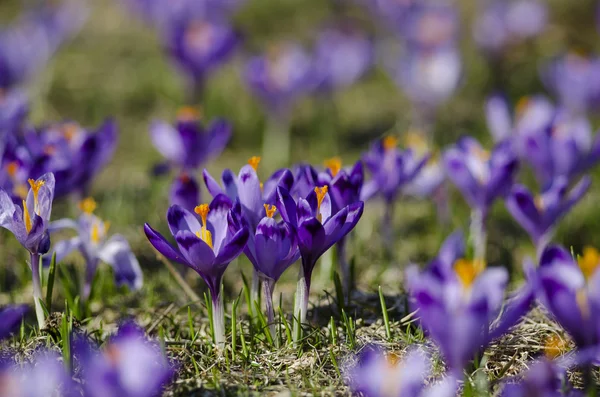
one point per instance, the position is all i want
(95, 246)
(206, 244)
(187, 146)
(29, 224)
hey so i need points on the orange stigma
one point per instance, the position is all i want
(204, 234)
(468, 270)
(270, 210)
(415, 140)
(334, 165)
(254, 161)
(554, 347)
(69, 130)
(184, 178)
(35, 187)
(589, 262)
(26, 217)
(12, 168)
(88, 205)
(321, 192)
(188, 113)
(389, 142)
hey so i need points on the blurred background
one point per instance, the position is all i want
(118, 65)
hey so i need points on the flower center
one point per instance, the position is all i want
(389, 142)
(99, 230)
(254, 161)
(188, 114)
(35, 188)
(88, 205)
(321, 192)
(468, 270)
(334, 165)
(589, 262)
(554, 347)
(204, 234)
(415, 141)
(270, 210)
(69, 131)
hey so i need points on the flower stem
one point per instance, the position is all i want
(37, 289)
(268, 285)
(541, 244)
(478, 234)
(301, 306)
(218, 320)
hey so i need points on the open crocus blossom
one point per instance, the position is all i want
(130, 365)
(74, 154)
(95, 246)
(377, 374)
(570, 290)
(574, 79)
(539, 215)
(272, 248)
(29, 224)
(458, 302)
(206, 246)
(198, 46)
(318, 228)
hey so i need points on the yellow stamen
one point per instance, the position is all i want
(35, 187)
(262, 186)
(26, 217)
(188, 113)
(334, 164)
(270, 210)
(522, 106)
(204, 234)
(254, 161)
(539, 203)
(321, 192)
(87, 205)
(555, 346)
(389, 142)
(21, 191)
(69, 130)
(12, 168)
(415, 140)
(583, 303)
(95, 234)
(468, 270)
(589, 261)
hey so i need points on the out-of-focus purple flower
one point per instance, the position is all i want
(29, 223)
(13, 109)
(428, 180)
(199, 45)
(72, 153)
(377, 374)
(393, 12)
(188, 144)
(45, 375)
(342, 56)
(532, 115)
(345, 184)
(540, 215)
(574, 80)
(185, 191)
(481, 176)
(10, 318)
(428, 78)
(246, 187)
(207, 246)
(130, 365)
(543, 378)
(391, 169)
(95, 246)
(503, 22)
(318, 228)
(431, 25)
(162, 13)
(458, 302)
(570, 291)
(280, 77)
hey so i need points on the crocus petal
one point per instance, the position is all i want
(163, 246)
(250, 194)
(179, 218)
(498, 118)
(7, 210)
(369, 190)
(167, 141)
(521, 205)
(286, 206)
(196, 252)
(62, 249)
(117, 253)
(555, 253)
(185, 192)
(211, 184)
(234, 247)
(217, 220)
(459, 174)
(514, 311)
(229, 183)
(62, 224)
(219, 133)
(10, 318)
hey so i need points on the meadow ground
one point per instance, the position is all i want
(115, 68)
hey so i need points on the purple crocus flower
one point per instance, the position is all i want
(185, 191)
(574, 80)
(45, 375)
(342, 56)
(130, 365)
(272, 249)
(543, 378)
(10, 319)
(95, 246)
(569, 290)
(458, 301)
(375, 374)
(540, 215)
(14, 107)
(502, 22)
(207, 246)
(29, 224)
(280, 77)
(318, 228)
(199, 45)
(73, 154)
(431, 25)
